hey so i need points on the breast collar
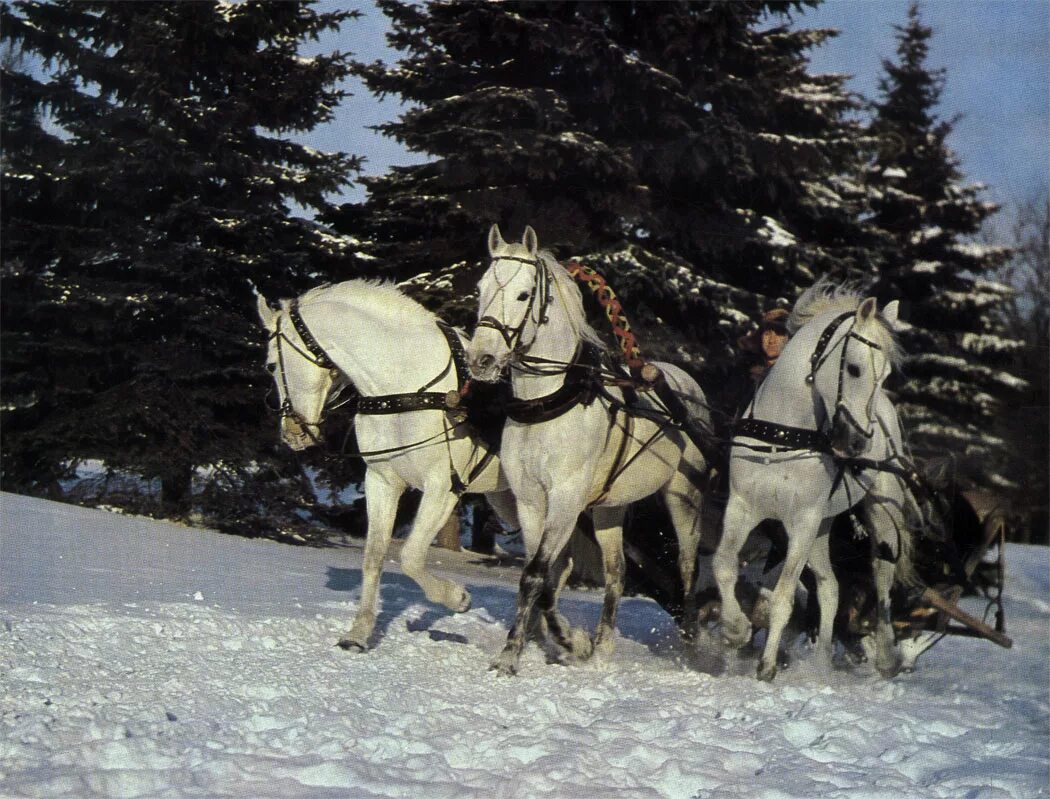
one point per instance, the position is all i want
(578, 388)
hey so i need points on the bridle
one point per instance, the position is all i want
(821, 353)
(512, 336)
(314, 353)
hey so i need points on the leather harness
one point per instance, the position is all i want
(448, 401)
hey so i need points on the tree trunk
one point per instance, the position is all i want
(175, 490)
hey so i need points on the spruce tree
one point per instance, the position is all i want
(956, 373)
(131, 234)
(679, 147)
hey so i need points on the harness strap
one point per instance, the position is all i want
(320, 356)
(578, 388)
(409, 401)
(781, 436)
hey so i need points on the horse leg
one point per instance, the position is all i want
(502, 502)
(530, 517)
(683, 501)
(801, 534)
(381, 495)
(537, 577)
(434, 509)
(736, 526)
(608, 529)
(572, 639)
(827, 593)
(886, 525)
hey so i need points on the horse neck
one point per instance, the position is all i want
(381, 353)
(557, 341)
(784, 396)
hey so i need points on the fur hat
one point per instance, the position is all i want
(775, 319)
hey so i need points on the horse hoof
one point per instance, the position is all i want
(767, 673)
(460, 604)
(890, 671)
(582, 646)
(504, 669)
(734, 637)
(350, 645)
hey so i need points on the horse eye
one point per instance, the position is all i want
(854, 370)
(271, 368)
(523, 296)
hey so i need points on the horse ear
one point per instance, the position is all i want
(891, 313)
(866, 310)
(530, 240)
(266, 313)
(496, 241)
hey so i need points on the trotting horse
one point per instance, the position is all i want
(566, 449)
(408, 368)
(808, 448)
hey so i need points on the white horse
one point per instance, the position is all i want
(798, 457)
(404, 365)
(568, 450)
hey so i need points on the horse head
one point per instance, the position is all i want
(301, 371)
(513, 297)
(850, 371)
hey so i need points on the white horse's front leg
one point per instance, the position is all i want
(435, 507)
(737, 524)
(539, 579)
(381, 495)
(802, 532)
(608, 529)
(885, 524)
(827, 593)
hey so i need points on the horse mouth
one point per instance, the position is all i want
(486, 368)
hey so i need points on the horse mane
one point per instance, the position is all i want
(826, 296)
(567, 290)
(373, 293)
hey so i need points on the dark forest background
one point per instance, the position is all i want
(683, 149)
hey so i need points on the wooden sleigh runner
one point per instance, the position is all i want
(979, 529)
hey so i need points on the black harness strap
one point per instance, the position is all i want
(422, 400)
(579, 388)
(320, 356)
(781, 436)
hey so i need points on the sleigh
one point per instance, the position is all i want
(971, 563)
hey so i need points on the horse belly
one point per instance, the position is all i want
(640, 471)
(416, 465)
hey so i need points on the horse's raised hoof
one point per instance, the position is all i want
(767, 673)
(350, 645)
(461, 603)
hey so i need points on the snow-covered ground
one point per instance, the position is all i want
(139, 658)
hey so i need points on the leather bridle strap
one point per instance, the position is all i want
(512, 335)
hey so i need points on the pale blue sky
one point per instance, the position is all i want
(997, 53)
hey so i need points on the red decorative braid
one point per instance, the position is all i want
(621, 328)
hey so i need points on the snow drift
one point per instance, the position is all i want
(144, 659)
